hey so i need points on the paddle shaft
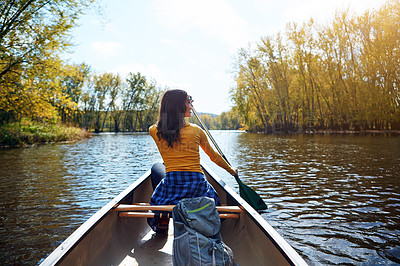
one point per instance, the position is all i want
(246, 192)
(209, 135)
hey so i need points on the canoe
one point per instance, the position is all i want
(118, 236)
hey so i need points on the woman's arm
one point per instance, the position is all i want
(214, 155)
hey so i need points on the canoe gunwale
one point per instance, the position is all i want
(68, 244)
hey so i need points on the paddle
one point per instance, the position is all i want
(246, 192)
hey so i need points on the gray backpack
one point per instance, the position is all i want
(197, 238)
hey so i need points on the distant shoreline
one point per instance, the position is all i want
(333, 132)
(79, 134)
(28, 134)
(395, 132)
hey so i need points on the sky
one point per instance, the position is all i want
(187, 44)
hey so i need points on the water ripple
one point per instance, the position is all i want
(335, 199)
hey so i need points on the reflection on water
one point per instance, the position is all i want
(48, 191)
(335, 199)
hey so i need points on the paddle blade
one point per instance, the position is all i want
(250, 196)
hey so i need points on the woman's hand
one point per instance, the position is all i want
(236, 172)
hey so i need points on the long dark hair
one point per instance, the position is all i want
(172, 114)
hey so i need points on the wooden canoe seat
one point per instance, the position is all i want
(142, 210)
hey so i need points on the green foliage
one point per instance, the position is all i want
(29, 132)
(35, 84)
(342, 76)
(32, 36)
(108, 102)
(230, 120)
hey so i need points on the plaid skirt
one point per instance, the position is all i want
(182, 184)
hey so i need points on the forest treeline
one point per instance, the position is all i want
(108, 102)
(35, 82)
(38, 85)
(340, 76)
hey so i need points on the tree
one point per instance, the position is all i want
(72, 81)
(32, 35)
(103, 84)
(279, 74)
(150, 105)
(116, 111)
(341, 76)
(134, 99)
(252, 88)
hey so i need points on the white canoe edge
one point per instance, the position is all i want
(280, 243)
(74, 238)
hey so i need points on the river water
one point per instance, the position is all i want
(334, 198)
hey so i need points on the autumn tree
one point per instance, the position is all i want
(114, 106)
(252, 90)
(340, 76)
(32, 36)
(72, 80)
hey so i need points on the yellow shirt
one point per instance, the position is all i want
(184, 155)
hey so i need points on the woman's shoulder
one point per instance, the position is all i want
(195, 129)
(193, 126)
(153, 129)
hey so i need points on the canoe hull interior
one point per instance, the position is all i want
(112, 240)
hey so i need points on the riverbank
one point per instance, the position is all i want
(369, 132)
(27, 133)
(332, 132)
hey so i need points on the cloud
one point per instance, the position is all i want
(106, 49)
(324, 11)
(216, 18)
(169, 42)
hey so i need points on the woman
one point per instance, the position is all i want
(178, 143)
